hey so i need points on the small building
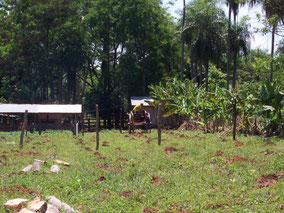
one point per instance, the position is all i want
(40, 116)
(146, 101)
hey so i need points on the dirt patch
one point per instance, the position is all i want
(11, 174)
(238, 143)
(101, 158)
(118, 149)
(267, 152)
(139, 135)
(126, 136)
(3, 157)
(216, 206)
(102, 178)
(149, 140)
(177, 208)
(117, 168)
(199, 138)
(236, 158)
(169, 133)
(270, 143)
(150, 210)
(184, 136)
(88, 149)
(125, 193)
(281, 207)
(102, 166)
(18, 189)
(3, 138)
(156, 179)
(97, 154)
(218, 154)
(269, 180)
(122, 159)
(105, 143)
(169, 150)
(30, 153)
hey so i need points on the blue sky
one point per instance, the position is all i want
(258, 40)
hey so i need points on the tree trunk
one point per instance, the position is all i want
(235, 70)
(59, 86)
(195, 71)
(74, 85)
(188, 70)
(200, 73)
(69, 86)
(143, 76)
(272, 53)
(51, 84)
(192, 69)
(229, 44)
(182, 43)
(206, 73)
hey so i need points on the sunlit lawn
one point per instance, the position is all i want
(197, 173)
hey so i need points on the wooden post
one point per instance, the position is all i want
(39, 124)
(159, 124)
(234, 118)
(97, 126)
(23, 128)
(89, 124)
(121, 121)
(82, 122)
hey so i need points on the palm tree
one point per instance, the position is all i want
(280, 49)
(182, 41)
(239, 44)
(229, 43)
(204, 29)
(233, 7)
(274, 12)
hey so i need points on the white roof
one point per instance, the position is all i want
(141, 100)
(40, 108)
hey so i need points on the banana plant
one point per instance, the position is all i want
(271, 101)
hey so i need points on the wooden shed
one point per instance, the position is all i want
(146, 106)
(40, 116)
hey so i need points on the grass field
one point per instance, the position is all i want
(189, 172)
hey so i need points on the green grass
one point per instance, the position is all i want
(192, 178)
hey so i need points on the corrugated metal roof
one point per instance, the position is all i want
(41, 108)
(141, 100)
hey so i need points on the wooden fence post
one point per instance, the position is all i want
(82, 122)
(159, 124)
(97, 126)
(23, 128)
(234, 118)
(121, 121)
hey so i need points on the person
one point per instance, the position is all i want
(148, 122)
(137, 108)
(137, 113)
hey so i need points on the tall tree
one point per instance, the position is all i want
(274, 12)
(38, 36)
(182, 41)
(205, 40)
(239, 44)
